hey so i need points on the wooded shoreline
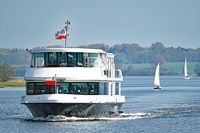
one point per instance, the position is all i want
(131, 58)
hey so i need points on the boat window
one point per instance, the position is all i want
(79, 59)
(108, 73)
(52, 59)
(62, 59)
(93, 88)
(30, 88)
(116, 88)
(63, 88)
(32, 61)
(84, 88)
(106, 88)
(39, 88)
(91, 61)
(91, 58)
(117, 74)
(71, 59)
(79, 88)
(37, 60)
(88, 88)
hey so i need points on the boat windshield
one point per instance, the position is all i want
(63, 59)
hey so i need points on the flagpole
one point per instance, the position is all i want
(66, 28)
(65, 41)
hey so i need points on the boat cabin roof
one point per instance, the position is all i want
(76, 50)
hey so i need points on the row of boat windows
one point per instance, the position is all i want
(61, 59)
(35, 88)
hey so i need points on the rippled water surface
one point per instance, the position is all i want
(173, 109)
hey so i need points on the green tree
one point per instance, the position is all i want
(197, 69)
(6, 71)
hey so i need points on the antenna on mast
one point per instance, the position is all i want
(67, 23)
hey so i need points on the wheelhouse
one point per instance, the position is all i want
(55, 58)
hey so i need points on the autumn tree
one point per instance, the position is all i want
(6, 71)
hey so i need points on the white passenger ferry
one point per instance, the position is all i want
(73, 82)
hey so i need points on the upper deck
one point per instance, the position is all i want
(67, 57)
(72, 64)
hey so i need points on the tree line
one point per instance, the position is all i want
(125, 55)
(135, 54)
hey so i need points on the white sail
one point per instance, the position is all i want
(185, 70)
(157, 77)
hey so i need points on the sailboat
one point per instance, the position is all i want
(185, 70)
(157, 78)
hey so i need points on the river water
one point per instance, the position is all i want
(173, 109)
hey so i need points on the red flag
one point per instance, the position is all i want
(61, 34)
(50, 82)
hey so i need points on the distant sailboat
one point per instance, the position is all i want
(185, 70)
(157, 78)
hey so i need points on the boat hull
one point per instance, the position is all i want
(75, 109)
(157, 88)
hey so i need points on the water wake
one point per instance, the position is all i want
(61, 118)
(155, 113)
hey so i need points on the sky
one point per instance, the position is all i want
(33, 23)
